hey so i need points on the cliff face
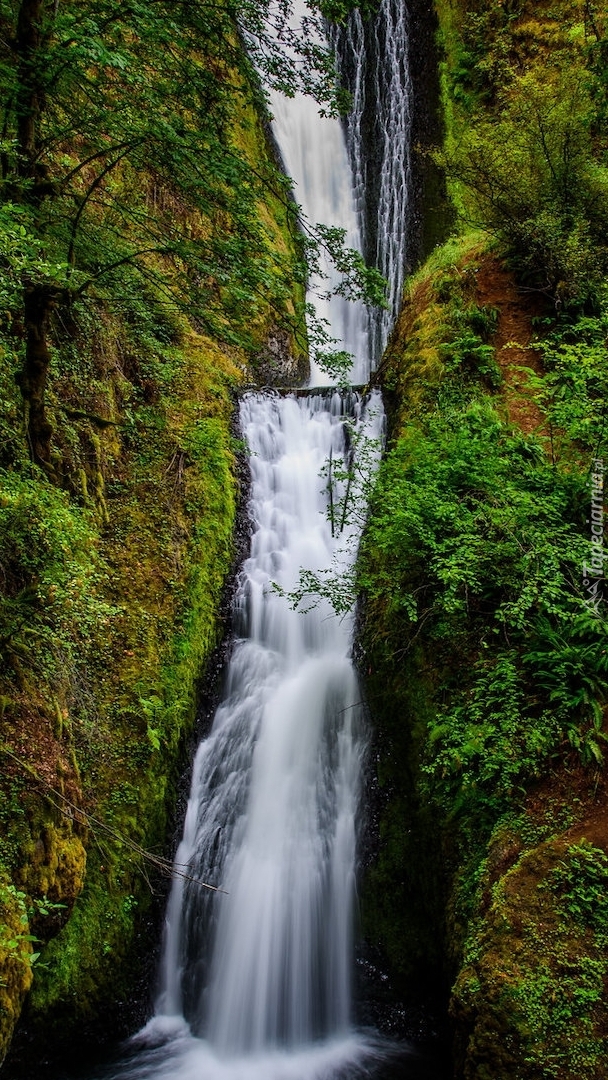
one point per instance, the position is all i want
(482, 612)
(117, 505)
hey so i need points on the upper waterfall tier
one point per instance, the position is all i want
(314, 154)
(356, 175)
(373, 60)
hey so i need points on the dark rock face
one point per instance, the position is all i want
(277, 365)
(432, 214)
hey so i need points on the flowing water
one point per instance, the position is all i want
(271, 817)
(373, 63)
(255, 980)
(314, 154)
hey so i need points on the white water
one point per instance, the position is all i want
(261, 975)
(374, 66)
(256, 979)
(271, 816)
(315, 157)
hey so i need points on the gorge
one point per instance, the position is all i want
(416, 842)
(257, 962)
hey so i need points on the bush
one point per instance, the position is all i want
(474, 551)
(532, 178)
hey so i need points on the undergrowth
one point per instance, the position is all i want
(472, 570)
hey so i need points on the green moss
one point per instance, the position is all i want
(401, 897)
(532, 988)
(110, 594)
(15, 959)
(286, 290)
(487, 679)
(171, 525)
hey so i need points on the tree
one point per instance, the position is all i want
(97, 96)
(535, 177)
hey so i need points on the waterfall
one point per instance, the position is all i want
(373, 63)
(315, 156)
(256, 976)
(272, 810)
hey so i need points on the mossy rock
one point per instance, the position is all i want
(15, 952)
(529, 1002)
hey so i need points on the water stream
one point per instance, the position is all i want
(373, 60)
(255, 980)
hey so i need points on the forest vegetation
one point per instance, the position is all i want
(481, 568)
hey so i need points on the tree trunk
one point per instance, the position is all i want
(30, 95)
(39, 301)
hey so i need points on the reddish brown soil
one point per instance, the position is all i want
(32, 754)
(496, 288)
(584, 792)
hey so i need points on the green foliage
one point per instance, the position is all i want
(476, 507)
(47, 605)
(532, 987)
(570, 668)
(524, 95)
(580, 883)
(558, 1027)
(484, 57)
(535, 180)
(159, 93)
(473, 557)
(573, 388)
(488, 745)
(467, 350)
(474, 547)
(18, 941)
(444, 350)
(358, 281)
(563, 1030)
(97, 938)
(20, 254)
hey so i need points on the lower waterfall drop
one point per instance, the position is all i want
(256, 977)
(272, 812)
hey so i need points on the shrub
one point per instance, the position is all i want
(534, 180)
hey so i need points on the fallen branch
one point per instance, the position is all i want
(82, 817)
